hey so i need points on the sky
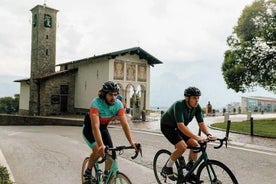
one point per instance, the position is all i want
(188, 36)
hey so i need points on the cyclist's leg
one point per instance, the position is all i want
(91, 142)
(173, 136)
(107, 141)
(192, 155)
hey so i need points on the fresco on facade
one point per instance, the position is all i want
(131, 72)
(142, 73)
(118, 70)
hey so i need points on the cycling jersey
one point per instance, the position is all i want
(106, 112)
(180, 112)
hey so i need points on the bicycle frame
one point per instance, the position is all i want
(203, 157)
(112, 172)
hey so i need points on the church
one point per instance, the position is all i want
(70, 89)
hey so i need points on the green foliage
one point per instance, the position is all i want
(265, 127)
(4, 176)
(251, 59)
(9, 105)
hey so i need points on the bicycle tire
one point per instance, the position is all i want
(84, 166)
(159, 161)
(121, 178)
(220, 173)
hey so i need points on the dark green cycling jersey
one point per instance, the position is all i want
(180, 112)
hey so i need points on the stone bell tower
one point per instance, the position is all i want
(43, 51)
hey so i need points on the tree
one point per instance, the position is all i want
(251, 59)
(9, 105)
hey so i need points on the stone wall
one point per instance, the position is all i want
(53, 87)
(6, 119)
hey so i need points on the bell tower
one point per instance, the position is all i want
(43, 51)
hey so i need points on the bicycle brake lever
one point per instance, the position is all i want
(139, 150)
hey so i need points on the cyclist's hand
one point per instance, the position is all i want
(200, 139)
(102, 150)
(211, 137)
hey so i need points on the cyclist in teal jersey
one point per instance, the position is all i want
(103, 110)
(174, 127)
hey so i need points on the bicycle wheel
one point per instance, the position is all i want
(159, 161)
(93, 172)
(121, 178)
(219, 173)
(84, 166)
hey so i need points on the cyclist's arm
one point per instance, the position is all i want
(95, 124)
(126, 128)
(205, 130)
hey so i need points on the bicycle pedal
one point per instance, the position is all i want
(173, 178)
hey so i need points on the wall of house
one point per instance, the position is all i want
(24, 98)
(89, 80)
(51, 95)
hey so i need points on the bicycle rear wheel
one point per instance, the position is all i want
(159, 161)
(219, 173)
(121, 178)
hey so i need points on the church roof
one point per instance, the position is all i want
(135, 50)
(45, 76)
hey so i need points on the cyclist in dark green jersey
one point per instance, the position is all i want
(174, 127)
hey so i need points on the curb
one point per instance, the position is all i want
(4, 163)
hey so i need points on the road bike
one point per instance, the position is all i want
(208, 171)
(114, 175)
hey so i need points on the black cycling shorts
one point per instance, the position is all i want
(173, 134)
(89, 137)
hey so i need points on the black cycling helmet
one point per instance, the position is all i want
(110, 86)
(192, 91)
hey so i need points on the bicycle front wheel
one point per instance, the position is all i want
(83, 168)
(219, 173)
(121, 178)
(159, 161)
(93, 172)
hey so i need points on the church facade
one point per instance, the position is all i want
(76, 83)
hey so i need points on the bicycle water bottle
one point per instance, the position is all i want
(182, 162)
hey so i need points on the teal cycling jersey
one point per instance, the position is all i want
(180, 112)
(106, 112)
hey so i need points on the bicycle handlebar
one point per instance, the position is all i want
(221, 142)
(203, 144)
(120, 149)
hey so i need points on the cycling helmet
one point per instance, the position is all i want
(192, 91)
(110, 86)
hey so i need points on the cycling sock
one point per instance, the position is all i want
(170, 163)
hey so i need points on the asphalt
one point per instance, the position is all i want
(245, 141)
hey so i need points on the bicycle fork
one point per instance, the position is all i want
(210, 170)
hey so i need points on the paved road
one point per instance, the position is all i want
(53, 154)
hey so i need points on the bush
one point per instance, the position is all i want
(4, 176)
(9, 105)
